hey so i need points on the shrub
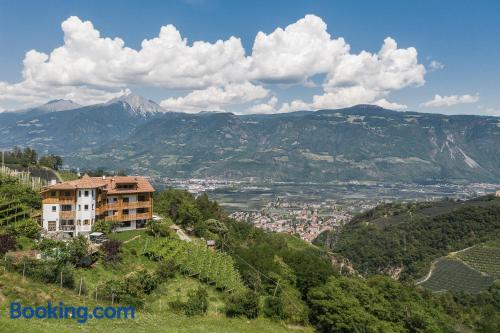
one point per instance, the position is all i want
(244, 304)
(103, 226)
(273, 307)
(111, 250)
(165, 270)
(78, 252)
(28, 228)
(197, 303)
(7, 243)
(160, 228)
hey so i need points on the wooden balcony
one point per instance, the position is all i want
(67, 215)
(67, 227)
(126, 205)
(128, 217)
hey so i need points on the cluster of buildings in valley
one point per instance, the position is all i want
(307, 220)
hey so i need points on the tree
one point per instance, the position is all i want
(78, 252)
(188, 214)
(160, 228)
(7, 243)
(244, 304)
(51, 161)
(28, 228)
(197, 302)
(111, 250)
(103, 226)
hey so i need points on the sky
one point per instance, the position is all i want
(254, 56)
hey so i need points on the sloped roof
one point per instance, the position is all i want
(108, 184)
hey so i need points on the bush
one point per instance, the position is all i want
(160, 228)
(7, 243)
(78, 252)
(103, 226)
(273, 307)
(165, 270)
(28, 228)
(197, 303)
(111, 250)
(245, 304)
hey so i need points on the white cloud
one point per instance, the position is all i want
(89, 68)
(216, 98)
(446, 101)
(390, 105)
(435, 65)
(267, 107)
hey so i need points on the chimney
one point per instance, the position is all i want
(53, 182)
(103, 177)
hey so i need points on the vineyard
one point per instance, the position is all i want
(216, 268)
(12, 211)
(454, 275)
(483, 258)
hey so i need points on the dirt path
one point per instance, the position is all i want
(131, 239)
(428, 276)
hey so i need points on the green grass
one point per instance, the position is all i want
(485, 259)
(156, 317)
(67, 175)
(455, 276)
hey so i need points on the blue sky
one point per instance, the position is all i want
(461, 39)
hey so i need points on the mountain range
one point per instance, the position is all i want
(363, 142)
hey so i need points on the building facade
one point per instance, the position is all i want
(74, 206)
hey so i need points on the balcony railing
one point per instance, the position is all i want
(67, 215)
(128, 217)
(67, 227)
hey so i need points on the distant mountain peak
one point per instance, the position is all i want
(59, 105)
(137, 104)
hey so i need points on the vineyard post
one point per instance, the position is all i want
(24, 268)
(80, 289)
(61, 278)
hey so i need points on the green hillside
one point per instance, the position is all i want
(454, 275)
(408, 237)
(252, 281)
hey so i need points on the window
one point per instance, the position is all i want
(141, 198)
(85, 207)
(85, 222)
(53, 193)
(54, 208)
(92, 221)
(80, 194)
(125, 212)
(142, 210)
(126, 199)
(52, 226)
(78, 222)
(79, 207)
(66, 208)
(92, 206)
(125, 186)
(125, 224)
(67, 193)
(86, 193)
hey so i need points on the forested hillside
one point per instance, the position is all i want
(404, 239)
(276, 282)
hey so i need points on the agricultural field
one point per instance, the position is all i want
(215, 268)
(485, 258)
(12, 211)
(455, 276)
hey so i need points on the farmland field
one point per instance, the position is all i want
(484, 258)
(453, 275)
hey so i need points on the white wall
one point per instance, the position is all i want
(81, 213)
(49, 215)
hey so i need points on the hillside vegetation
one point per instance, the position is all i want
(282, 283)
(406, 238)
